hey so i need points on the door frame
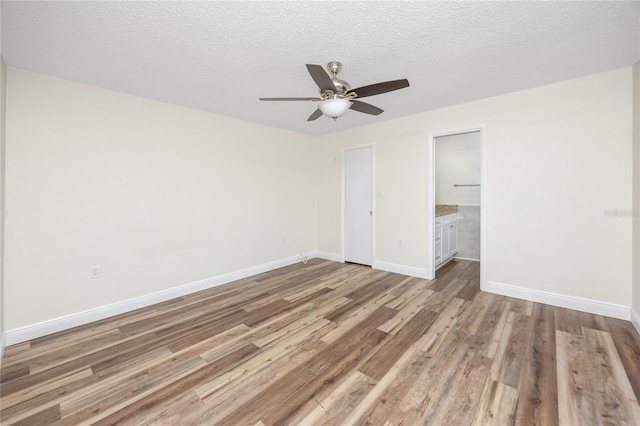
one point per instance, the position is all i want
(343, 210)
(431, 198)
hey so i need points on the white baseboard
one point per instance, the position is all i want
(635, 320)
(466, 258)
(561, 300)
(22, 334)
(3, 343)
(401, 269)
(325, 255)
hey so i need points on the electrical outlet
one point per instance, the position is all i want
(94, 271)
(400, 242)
(284, 238)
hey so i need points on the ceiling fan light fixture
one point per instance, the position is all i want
(334, 108)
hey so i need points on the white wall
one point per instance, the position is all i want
(3, 92)
(636, 194)
(458, 162)
(162, 195)
(558, 158)
(158, 195)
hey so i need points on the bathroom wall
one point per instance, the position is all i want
(458, 162)
(468, 232)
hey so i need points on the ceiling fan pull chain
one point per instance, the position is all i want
(334, 139)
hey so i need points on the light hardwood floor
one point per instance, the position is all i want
(331, 343)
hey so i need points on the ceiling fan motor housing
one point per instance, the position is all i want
(342, 87)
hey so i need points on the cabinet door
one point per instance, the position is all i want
(453, 238)
(446, 242)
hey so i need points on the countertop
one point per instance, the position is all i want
(443, 209)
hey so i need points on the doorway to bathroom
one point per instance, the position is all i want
(457, 200)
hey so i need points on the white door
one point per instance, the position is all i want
(358, 205)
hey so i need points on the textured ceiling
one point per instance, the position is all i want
(222, 56)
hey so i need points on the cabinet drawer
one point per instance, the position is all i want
(438, 221)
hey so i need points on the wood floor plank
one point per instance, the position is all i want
(98, 399)
(331, 343)
(576, 388)
(431, 341)
(538, 400)
(492, 326)
(12, 372)
(497, 405)
(475, 310)
(543, 334)
(172, 413)
(55, 358)
(617, 401)
(324, 382)
(395, 385)
(360, 413)
(364, 333)
(355, 317)
(47, 416)
(469, 291)
(15, 350)
(44, 388)
(628, 346)
(235, 393)
(509, 359)
(160, 397)
(568, 321)
(270, 353)
(139, 344)
(432, 383)
(456, 404)
(383, 359)
(338, 404)
(295, 318)
(406, 313)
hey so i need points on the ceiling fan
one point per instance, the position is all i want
(337, 96)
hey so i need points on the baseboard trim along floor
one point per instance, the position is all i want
(23, 334)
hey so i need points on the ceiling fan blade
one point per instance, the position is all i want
(316, 114)
(365, 107)
(378, 88)
(321, 78)
(290, 99)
